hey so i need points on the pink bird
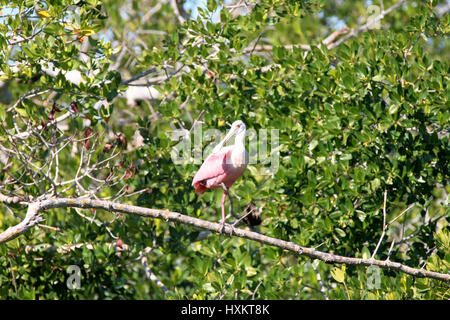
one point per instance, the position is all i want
(224, 165)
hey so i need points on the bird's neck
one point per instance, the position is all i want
(239, 155)
(239, 140)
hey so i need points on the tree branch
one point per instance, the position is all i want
(177, 7)
(328, 41)
(33, 217)
(367, 25)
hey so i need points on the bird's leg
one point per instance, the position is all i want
(230, 196)
(231, 202)
(225, 189)
(225, 194)
(223, 209)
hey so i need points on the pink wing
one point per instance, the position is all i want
(212, 170)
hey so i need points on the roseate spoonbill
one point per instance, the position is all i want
(224, 165)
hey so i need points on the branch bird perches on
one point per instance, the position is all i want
(35, 209)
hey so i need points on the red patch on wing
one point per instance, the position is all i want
(211, 169)
(200, 188)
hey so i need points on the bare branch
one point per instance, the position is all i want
(35, 208)
(384, 225)
(367, 25)
(31, 219)
(180, 13)
(328, 41)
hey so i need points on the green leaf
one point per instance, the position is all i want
(365, 253)
(338, 274)
(2, 113)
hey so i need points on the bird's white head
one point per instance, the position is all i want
(237, 128)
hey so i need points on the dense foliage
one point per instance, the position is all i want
(362, 126)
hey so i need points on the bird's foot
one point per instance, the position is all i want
(222, 228)
(231, 229)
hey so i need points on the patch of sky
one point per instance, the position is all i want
(192, 6)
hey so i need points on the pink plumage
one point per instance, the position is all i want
(215, 171)
(224, 166)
